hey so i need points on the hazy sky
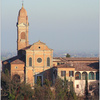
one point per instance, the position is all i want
(67, 25)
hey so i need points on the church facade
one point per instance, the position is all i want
(37, 61)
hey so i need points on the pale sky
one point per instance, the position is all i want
(64, 25)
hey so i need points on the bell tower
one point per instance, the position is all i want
(22, 29)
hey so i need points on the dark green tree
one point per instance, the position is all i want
(13, 90)
(39, 83)
(72, 94)
(47, 83)
(43, 92)
(24, 91)
(59, 90)
(6, 72)
(86, 88)
(68, 55)
(66, 86)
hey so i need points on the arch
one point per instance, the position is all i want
(48, 61)
(23, 35)
(97, 75)
(77, 75)
(91, 76)
(84, 75)
(16, 78)
(30, 61)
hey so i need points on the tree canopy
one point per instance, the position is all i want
(68, 55)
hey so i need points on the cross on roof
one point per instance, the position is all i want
(22, 2)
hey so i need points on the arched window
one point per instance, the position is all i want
(30, 61)
(77, 75)
(84, 75)
(23, 35)
(97, 75)
(91, 76)
(48, 61)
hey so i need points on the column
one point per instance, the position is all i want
(94, 75)
(81, 75)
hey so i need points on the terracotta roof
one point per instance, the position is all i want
(15, 58)
(22, 11)
(39, 42)
(77, 58)
(82, 59)
(86, 66)
(5, 62)
(17, 61)
(81, 66)
(26, 47)
(64, 66)
(58, 59)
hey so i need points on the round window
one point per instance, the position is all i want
(16, 67)
(39, 60)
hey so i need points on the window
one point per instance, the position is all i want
(39, 47)
(77, 75)
(77, 86)
(91, 76)
(62, 63)
(97, 75)
(63, 73)
(71, 73)
(16, 67)
(30, 61)
(58, 64)
(84, 75)
(48, 61)
(39, 60)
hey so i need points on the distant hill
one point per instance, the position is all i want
(6, 55)
(75, 54)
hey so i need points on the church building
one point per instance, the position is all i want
(37, 61)
(32, 61)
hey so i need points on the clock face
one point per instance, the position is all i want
(39, 60)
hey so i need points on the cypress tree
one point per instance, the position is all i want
(72, 92)
(86, 88)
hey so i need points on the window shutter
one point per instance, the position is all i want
(89, 75)
(61, 73)
(93, 76)
(69, 73)
(79, 76)
(65, 73)
(72, 73)
(97, 75)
